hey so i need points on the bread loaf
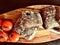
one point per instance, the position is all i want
(48, 15)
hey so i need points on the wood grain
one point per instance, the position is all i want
(15, 14)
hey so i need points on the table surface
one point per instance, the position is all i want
(14, 14)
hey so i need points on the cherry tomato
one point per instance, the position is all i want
(3, 36)
(14, 37)
(7, 25)
(0, 22)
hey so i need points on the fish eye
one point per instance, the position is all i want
(26, 13)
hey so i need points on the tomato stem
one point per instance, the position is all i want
(1, 37)
(5, 26)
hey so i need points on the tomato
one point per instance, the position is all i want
(14, 37)
(7, 25)
(0, 22)
(3, 36)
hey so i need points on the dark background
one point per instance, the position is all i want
(8, 5)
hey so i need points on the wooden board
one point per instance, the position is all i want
(15, 14)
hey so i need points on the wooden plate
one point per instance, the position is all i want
(15, 14)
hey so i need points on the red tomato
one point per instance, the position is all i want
(3, 36)
(0, 22)
(7, 25)
(14, 37)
